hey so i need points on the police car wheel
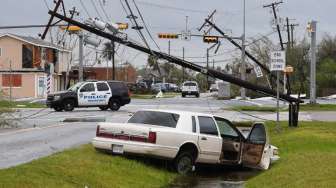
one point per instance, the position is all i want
(114, 105)
(69, 105)
(103, 108)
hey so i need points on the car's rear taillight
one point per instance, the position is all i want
(97, 130)
(152, 137)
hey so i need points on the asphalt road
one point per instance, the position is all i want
(41, 132)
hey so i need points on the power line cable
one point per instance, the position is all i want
(96, 9)
(86, 11)
(145, 25)
(104, 11)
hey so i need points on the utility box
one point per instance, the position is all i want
(224, 90)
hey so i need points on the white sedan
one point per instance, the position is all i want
(187, 138)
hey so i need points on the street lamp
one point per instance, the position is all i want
(243, 67)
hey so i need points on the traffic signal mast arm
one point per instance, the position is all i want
(264, 67)
(178, 61)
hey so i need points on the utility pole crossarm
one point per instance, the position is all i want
(59, 2)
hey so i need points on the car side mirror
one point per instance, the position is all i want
(82, 90)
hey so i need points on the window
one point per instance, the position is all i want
(27, 57)
(117, 85)
(16, 80)
(258, 134)
(224, 128)
(164, 119)
(193, 124)
(207, 126)
(189, 84)
(88, 88)
(102, 87)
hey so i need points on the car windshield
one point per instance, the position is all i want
(164, 119)
(76, 86)
(189, 84)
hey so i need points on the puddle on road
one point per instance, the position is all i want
(211, 177)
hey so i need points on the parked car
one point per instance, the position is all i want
(173, 87)
(190, 88)
(102, 94)
(214, 87)
(159, 87)
(187, 138)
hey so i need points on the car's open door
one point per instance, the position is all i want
(254, 149)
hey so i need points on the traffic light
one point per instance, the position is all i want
(122, 26)
(210, 39)
(168, 36)
(71, 28)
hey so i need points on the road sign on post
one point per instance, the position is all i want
(278, 61)
(278, 64)
(258, 71)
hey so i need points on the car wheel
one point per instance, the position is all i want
(58, 108)
(198, 95)
(69, 105)
(184, 163)
(114, 105)
(103, 108)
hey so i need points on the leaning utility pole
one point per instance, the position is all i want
(312, 30)
(289, 43)
(276, 19)
(273, 5)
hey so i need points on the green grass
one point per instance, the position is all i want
(255, 108)
(303, 107)
(152, 96)
(82, 167)
(308, 157)
(14, 104)
(318, 107)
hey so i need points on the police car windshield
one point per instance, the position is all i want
(75, 87)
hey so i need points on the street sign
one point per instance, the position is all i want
(258, 71)
(186, 35)
(278, 60)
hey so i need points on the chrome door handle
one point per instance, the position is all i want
(204, 138)
(108, 93)
(93, 94)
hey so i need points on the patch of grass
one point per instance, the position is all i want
(15, 104)
(307, 154)
(318, 107)
(82, 167)
(256, 108)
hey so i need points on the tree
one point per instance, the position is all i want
(326, 77)
(108, 51)
(327, 48)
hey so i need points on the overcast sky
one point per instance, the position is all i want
(169, 16)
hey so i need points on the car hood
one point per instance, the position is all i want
(59, 92)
